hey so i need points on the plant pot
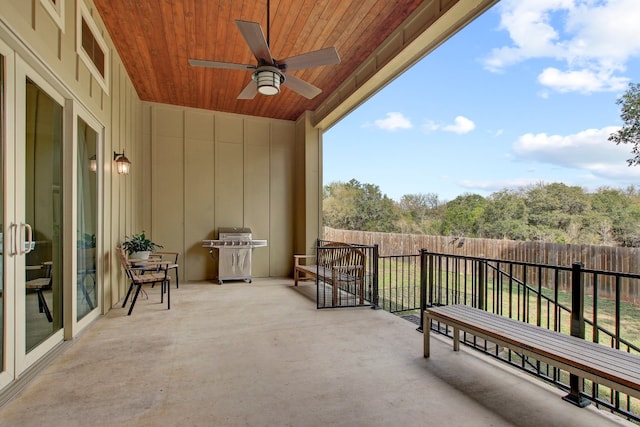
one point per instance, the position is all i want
(140, 255)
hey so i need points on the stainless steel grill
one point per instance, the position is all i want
(234, 246)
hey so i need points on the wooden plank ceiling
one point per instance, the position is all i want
(155, 39)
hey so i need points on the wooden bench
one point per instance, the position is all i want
(336, 264)
(603, 365)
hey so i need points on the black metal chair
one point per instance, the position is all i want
(144, 274)
(170, 259)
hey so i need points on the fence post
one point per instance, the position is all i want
(577, 330)
(423, 288)
(481, 286)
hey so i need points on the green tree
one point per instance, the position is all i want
(463, 216)
(614, 209)
(630, 115)
(419, 212)
(506, 216)
(356, 206)
(553, 208)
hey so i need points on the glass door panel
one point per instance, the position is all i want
(42, 231)
(87, 219)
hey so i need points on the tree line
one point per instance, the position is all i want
(552, 212)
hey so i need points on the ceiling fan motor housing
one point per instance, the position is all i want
(268, 80)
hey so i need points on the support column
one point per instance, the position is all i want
(308, 185)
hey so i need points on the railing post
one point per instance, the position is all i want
(481, 286)
(577, 330)
(423, 288)
(375, 296)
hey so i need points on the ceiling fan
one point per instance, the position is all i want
(270, 73)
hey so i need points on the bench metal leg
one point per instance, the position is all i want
(574, 396)
(456, 339)
(426, 331)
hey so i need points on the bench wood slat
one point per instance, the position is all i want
(614, 368)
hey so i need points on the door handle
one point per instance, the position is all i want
(13, 239)
(27, 244)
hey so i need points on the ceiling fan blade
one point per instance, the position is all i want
(305, 89)
(253, 35)
(326, 56)
(216, 64)
(249, 91)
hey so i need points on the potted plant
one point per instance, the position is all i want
(138, 246)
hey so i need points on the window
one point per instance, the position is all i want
(91, 47)
(55, 8)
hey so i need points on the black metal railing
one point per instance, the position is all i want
(399, 283)
(568, 299)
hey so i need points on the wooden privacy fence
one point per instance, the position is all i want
(617, 259)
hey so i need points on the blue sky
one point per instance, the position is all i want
(524, 94)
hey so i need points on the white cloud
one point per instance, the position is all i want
(588, 150)
(393, 122)
(585, 81)
(592, 39)
(461, 125)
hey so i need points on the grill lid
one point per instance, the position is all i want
(234, 230)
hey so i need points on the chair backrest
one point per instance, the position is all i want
(126, 265)
(339, 253)
(167, 256)
(124, 261)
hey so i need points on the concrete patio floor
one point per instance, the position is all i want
(260, 354)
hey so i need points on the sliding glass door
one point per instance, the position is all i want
(41, 231)
(86, 218)
(50, 216)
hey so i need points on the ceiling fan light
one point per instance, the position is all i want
(268, 82)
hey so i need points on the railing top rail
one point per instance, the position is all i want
(400, 256)
(322, 244)
(532, 264)
(611, 273)
(503, 261)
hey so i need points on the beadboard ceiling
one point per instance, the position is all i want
(155, 39)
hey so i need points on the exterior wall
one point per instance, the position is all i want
(205, 170)
(35, 37)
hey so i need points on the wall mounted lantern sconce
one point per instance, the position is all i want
(122, 163)
(93, 163)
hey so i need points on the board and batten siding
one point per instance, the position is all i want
(209, 170)
(35, 38)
